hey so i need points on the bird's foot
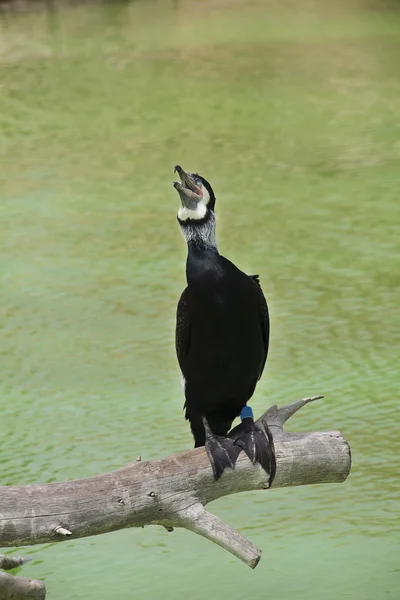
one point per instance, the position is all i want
(248, 437)
(221, 451)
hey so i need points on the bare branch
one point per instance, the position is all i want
(12, 562)
(278, 416)
(63, 531)
(198, 520)
(19, 588)
(171, 492)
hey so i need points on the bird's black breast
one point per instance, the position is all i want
(222, 332)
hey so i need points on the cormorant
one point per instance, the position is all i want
(222, 336)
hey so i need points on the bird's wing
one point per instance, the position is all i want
(182, 331)
(264, 319)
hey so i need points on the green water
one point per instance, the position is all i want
(292, 110)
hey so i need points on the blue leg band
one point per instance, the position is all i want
(246, 413)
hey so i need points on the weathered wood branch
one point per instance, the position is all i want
(18, 588)
(171, 492)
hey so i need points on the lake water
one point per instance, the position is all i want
(293, 114)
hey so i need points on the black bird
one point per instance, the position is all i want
(222, 336)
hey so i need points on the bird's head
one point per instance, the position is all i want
(196, 194)
(196, 214)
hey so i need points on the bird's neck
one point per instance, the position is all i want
(200, 235)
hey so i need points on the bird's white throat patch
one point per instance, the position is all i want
(196, 214)
(200, 233)
(206, 195)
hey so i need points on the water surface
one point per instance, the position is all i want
(294, 116)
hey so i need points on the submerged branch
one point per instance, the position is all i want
(12, 562)
(18, 588)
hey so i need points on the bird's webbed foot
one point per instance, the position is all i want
(221, 451)
(252, 440)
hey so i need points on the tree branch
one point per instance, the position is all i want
(12, 562)
(171, 492)
(198, 520)
(18, 588)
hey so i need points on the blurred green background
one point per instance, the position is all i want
(292, 110)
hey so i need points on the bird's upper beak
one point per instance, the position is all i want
(189, 192)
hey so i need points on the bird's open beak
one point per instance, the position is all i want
(188, 190)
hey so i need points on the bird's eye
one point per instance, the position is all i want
(198, 181)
